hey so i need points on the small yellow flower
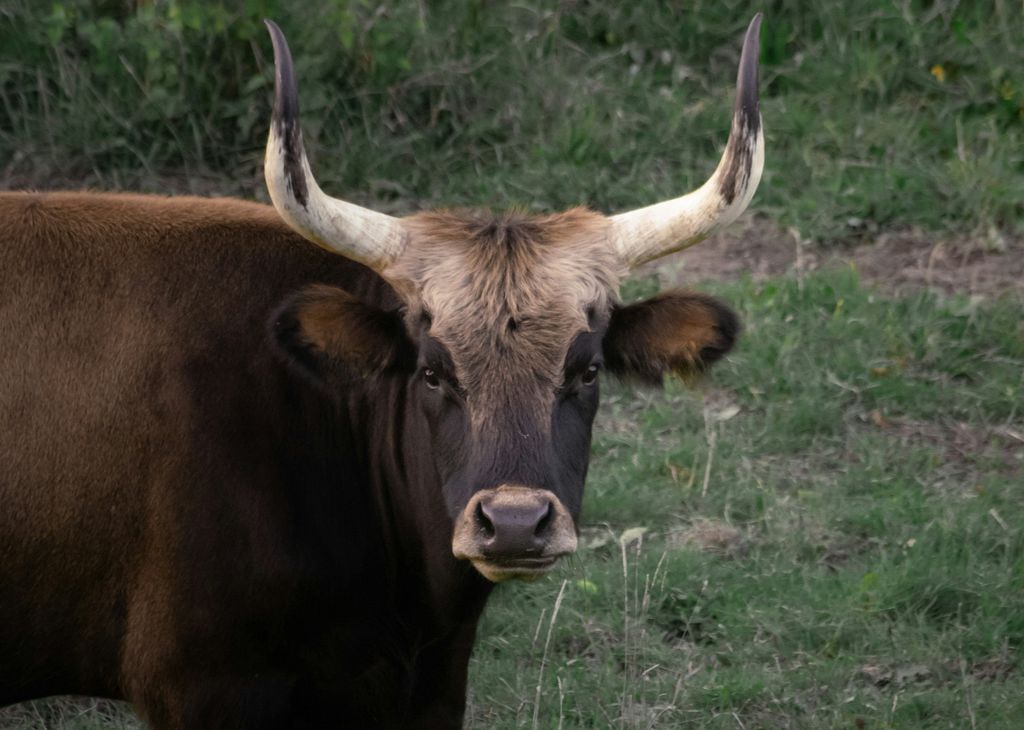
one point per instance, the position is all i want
(939, 72)
(1006, 91)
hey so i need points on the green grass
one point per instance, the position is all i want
(869, 571)
(877, 113)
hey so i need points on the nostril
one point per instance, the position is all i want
(483, 521)
(545, 520)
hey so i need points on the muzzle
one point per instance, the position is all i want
(513, 532)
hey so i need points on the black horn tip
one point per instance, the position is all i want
(747, 100)
(286, 95)
(746, 120)
(285, 119)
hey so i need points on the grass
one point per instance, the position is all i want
(878, 113)
(846, 566)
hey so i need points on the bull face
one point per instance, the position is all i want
(508, 328)
(505, 327)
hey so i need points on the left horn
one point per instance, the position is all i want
(371, 238)
(658, 230)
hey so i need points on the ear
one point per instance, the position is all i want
(326, 333)
(675, 332)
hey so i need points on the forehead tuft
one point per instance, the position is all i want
(509, 289)
(510, 264)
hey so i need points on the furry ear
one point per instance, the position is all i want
(674, 332)
(326, 332)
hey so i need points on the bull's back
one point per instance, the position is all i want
(121, 320)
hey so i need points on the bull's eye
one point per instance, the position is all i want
(431, 378)
(590, 376)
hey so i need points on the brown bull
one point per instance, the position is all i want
(247, 482)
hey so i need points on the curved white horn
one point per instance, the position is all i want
(355, 232)
(657, 230)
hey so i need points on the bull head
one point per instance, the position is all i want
(506, 323)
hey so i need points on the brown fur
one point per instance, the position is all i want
(146, 543)
(325, 328)
(675, 332)
(187, 525)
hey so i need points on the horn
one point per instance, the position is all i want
(371, 238)
(648, 233)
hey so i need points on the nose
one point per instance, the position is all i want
(513, 531)
(519, 527)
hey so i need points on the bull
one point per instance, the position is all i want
(249, 482)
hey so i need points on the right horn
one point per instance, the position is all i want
(648, 233)
(358, 233)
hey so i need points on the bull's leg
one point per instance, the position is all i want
(190, 698)
(186, 680)
(439, 693)
(220, 703)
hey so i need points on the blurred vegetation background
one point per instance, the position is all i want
(879, 113)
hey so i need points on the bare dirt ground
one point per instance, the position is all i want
(895, 262)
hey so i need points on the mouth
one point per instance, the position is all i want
(527, 569)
